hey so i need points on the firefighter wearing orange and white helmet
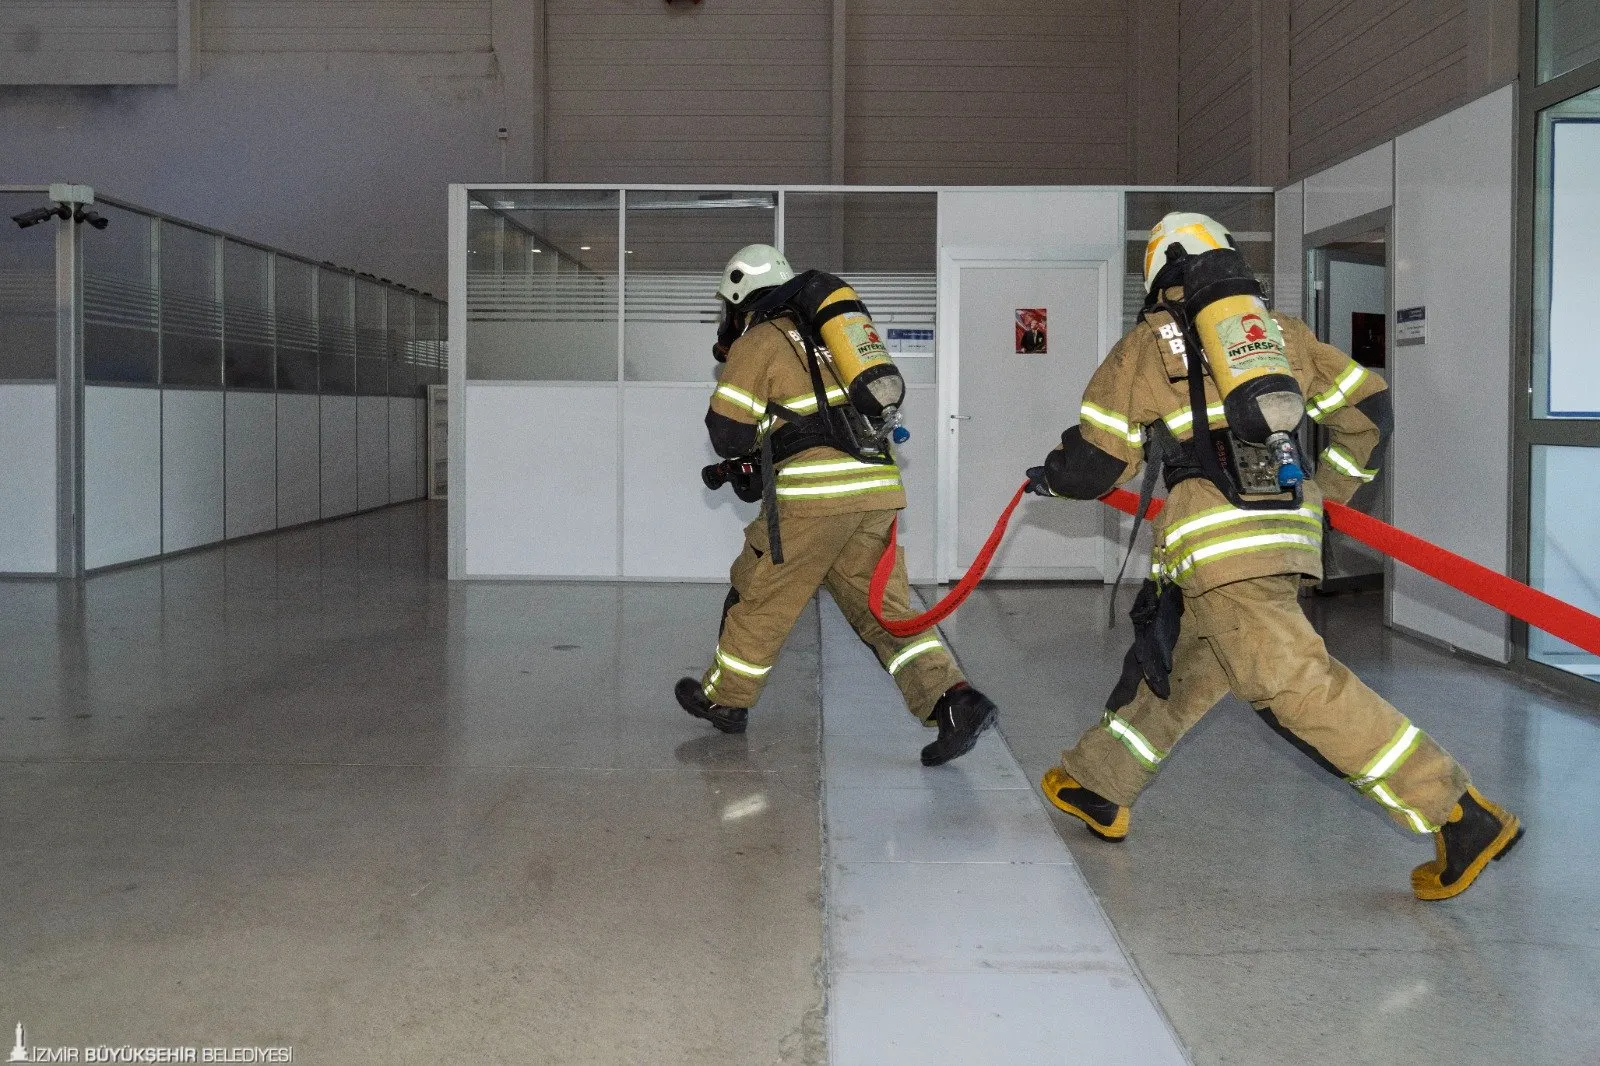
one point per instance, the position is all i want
(1208, 388)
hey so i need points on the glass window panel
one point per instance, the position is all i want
(1248, 216)
(402, 374)
(372, 348)
(191, 307)
(1569, 36)
(121, 306)
(1566, 376)
(678, 243)
(336, 332)
(886, 246)
(27, 292)
(542, 285)
(294, 297)
(246, 316)
(1564, 545)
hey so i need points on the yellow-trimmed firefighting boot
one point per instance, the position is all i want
(1476, 832)
(1106, 820)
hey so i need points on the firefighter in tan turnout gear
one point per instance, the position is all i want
(1210, 386)
(802, 414)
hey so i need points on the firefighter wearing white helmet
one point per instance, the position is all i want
(1207, 390)
(807, 395)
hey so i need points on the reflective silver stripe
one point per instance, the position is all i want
(1391, 757)
(826, 467)
(739, 666)
(709, 688)
(1224, 515)
(1140, 748)
(1342, 460)
(740, 398)
(1113, 422)
(1239, 545)
(1336, 397)
(1178, 421)
(803, 404)
(909, 653)
(1383, 795)
(842, 488)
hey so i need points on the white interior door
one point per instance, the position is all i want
(1012, 405)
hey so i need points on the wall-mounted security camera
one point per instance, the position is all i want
(94, 218)
(40, 214)
(502, 133)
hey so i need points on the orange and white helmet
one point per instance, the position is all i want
(1192, 232)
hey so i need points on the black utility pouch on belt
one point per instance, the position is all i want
(1157, 614)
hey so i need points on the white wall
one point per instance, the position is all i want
(402, 448)
(372, 451)
(251, 463)
(337, 442)
(28, 479)
(1448, 464)
(1450, 459)
(192, 493)
(1354, 288)
(540, 496)
(1565, 513)
(299, 462)
(122, 475)
(1288, 250)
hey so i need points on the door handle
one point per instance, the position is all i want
(962, 418)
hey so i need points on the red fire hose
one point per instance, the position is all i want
(1538, 609)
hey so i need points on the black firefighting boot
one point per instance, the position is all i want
(1476, 832)
(1105, 819)
(692, 698)
(962, 714)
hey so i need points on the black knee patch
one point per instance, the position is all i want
(727, 605)
(1312, 753)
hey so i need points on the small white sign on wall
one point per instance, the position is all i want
(1411, 325)
(903, 341)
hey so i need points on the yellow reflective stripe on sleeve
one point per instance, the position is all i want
(1241, 545)
(839, 488)
(739, 666)
(739, 398)
(908, 653)
(1219, 516)
(1182, 419)
(1328, 402)
(1146, 753)
(1345, 463)
(804, 404)
(1390, 757)
(1111, 421)
(828, 466)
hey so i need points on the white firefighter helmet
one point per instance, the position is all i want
(752, 268)
(1192, 232)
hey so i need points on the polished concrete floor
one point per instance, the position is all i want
(300, 790)
(1269, 906)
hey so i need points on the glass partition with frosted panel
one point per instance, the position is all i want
(542, 281)
(1569, 36)
(399, 324)
(336, 332)
(886, 246)
(294, 304)
(678, 243)
(1564, 546)
(191, 306)
(121, 300)
(27, 294)
(1248, 216)
(372, 343)
(247, 343)
(1566, 374)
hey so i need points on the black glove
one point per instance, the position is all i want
(1157, 616)
(1038, 484)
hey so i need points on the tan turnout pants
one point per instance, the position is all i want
(1252, 638)
(839, 551)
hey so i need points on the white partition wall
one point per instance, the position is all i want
(121, 475)
(337, 441)
(251, 474)
(28, 479)
(192, 492)
(299, 459)
(580, 364)
(372, 451)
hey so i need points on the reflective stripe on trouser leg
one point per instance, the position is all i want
(921, 665)
(1276, 660)
(770, 599)
(1104, 761)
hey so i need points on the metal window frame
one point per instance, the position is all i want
(1527, 431)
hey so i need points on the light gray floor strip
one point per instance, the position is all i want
(959, 927)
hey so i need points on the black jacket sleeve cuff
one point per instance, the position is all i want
(1080, 470)
(729, 438)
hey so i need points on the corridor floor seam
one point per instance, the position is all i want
(958, 926)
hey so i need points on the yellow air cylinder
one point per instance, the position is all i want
(855, 352)
(1241, 341)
